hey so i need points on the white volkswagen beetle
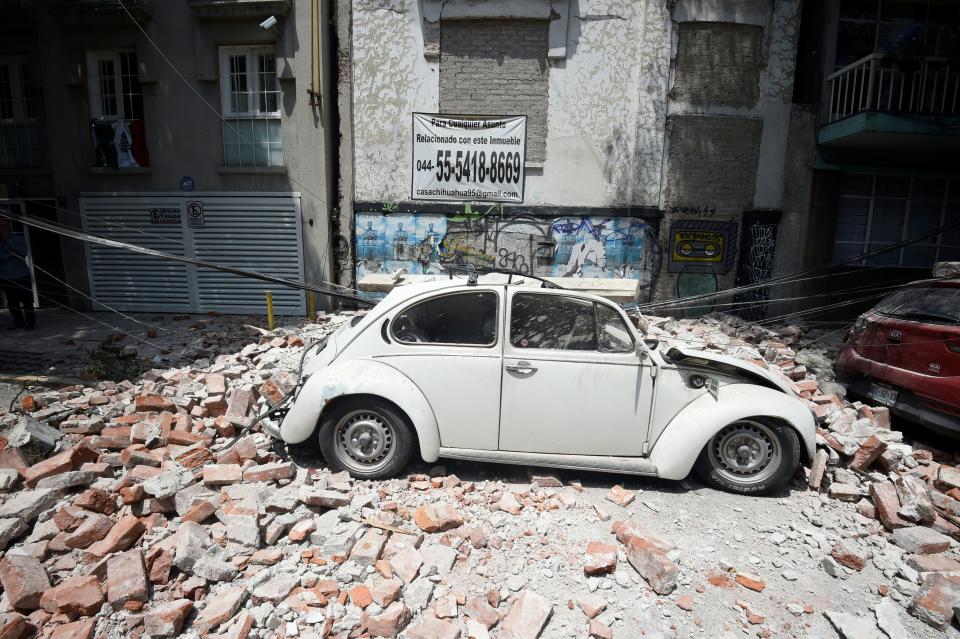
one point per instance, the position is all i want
(491, 370)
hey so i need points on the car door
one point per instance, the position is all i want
(572, 381)
(449, 345)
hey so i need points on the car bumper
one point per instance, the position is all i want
(861, 372)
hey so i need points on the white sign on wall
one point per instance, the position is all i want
(468, 157)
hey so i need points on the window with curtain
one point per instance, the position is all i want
(116, 109)
(250, 99)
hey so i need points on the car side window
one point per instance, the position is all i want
(553, 322)
(458, 318)
(612, 332)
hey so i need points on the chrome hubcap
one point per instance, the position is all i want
(746, 451)
(364, 441)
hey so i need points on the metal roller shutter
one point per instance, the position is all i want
(256, 232)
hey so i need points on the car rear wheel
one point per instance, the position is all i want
(751, 456)
(367, 437)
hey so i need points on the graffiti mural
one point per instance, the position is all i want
(757, 253)
(573, 246)
(704, 246)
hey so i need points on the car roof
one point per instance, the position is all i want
(942, 282)
(401, 293)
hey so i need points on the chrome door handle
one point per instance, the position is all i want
(522, 368)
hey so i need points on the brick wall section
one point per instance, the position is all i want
(718, 64)
(497, 67)
(713, 161)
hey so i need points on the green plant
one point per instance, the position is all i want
(109, 362)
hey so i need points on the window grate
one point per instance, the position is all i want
(881, 210)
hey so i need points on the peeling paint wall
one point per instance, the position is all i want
(611, 66)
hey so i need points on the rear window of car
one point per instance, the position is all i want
(925, 304)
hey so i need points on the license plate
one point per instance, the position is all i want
(883, 394)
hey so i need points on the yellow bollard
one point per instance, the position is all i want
(311, 308)
(271, 324)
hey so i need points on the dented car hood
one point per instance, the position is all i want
(729, 365)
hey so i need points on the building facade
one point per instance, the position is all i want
(196, 127)
(882, 81)
(658, 137)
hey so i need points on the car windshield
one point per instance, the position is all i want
(940, 305)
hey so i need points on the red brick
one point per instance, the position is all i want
(216, 384)
(15, 626)
(270, 472)
(127, 580)
(123, 535)
(527, 617)
(601, 558)
(360, 596)
(437, 519)
(222, 474)
(620, 496)
(868, 453)
(753, 582)
(598, 630)
(147, 403)
(76, 630)
(75, 597)
(653, 565)
(887, 503)
(97, 500)
(167, 619)
(24, 581)
(388, 623)
(936, 598)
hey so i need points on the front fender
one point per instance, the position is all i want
(361, 377)
(678, 447)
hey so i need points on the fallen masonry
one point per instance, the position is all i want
(137, 519)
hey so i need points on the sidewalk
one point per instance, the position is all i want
(62, 341)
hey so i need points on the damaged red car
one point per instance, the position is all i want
(905, 354)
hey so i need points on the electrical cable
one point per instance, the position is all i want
(94, 319)
(783, 279)
(88, 237)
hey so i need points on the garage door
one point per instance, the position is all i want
(255, 232)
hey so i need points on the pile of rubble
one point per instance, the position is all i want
(146, 508)
(914, 494)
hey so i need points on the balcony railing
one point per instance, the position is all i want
(928, 86)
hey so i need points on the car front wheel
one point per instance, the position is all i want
(751, 456)
(368, 437)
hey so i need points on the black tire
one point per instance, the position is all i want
(387, 427)
(769, 477)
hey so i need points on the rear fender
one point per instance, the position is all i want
(677, 448)
(361, 377)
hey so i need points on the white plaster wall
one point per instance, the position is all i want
(607, 100)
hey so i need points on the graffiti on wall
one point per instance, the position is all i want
(757, 253)
(574, 246)
(702, 246)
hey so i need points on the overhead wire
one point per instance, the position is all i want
(89, 237)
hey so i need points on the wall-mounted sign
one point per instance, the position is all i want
(464, 158)
(195, 214)
(186, 183)
(702, 246)
(167, 216)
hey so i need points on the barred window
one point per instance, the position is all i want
(250, 99)
(880, 210)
